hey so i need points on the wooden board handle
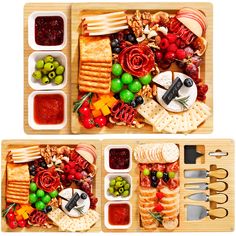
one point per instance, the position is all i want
(218, 198)
(219, 186)
(218, 173)
(218, 212)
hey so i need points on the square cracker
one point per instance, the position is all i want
(95, 49)
(18, 173)
(164, 120)
(183, 124)
(173, 126)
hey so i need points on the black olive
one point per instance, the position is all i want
(154, 184)
(83, 196)
(188, 82)
(116, 50)
(32, 168)
(165, 177)
(139, 100)
(115, 43)
(153, 178)
(48, 209)
(33, 172)
(153, 173)
(133, 104)
(43, 164)
(117, 96)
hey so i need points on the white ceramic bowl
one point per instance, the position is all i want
(106, 158)
(31, 30)
(31, 120)
(107, 179)
(106, 217)
(36, 85)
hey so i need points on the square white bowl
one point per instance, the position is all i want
(60, 57)
(31, 30)
(106, 216)
(106, 158)
(107, 179)
(31, 120)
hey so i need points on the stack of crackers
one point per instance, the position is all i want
(66, 223)
(167, 122)
(95, 64)
(18, 181)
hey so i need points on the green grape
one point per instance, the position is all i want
(135, 86)
(126, 96)
(53, 194)
(126, 78)
(46, 199)
(33, 198)
(33, 187)
(146, 172)
(117, 69)
(146, 79)
(40, 193)
(116, 85)
(39, 205)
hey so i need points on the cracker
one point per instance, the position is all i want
(12, 192)
(170, 152)
(94, 84)
(192, 124)
(95, 68)
(23, 202)
(95, 74)
(162, 122)
(173, 126)
(94, 79)
(83, 88)
(18, 173)
(183, 124)
(95, 49)
(100, 64)
(150, 110)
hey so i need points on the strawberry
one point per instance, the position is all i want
(159, 207)
(171, 37)
(172, 47)
(164, 44)
(159, 195)
(180, 54)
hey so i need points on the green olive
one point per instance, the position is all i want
(48, 59)
(40, 64)
(127, 186)
(56, 64)
(37, 75)
(119, 178)
(45, 80)
(121, 190)
(119, 184)
(112, 182)
(111, 190)
(58, 79)
(125, 193)
(52, 75)
(116, 194)
(60, 70)
(48, 66)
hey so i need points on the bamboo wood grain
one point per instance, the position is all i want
(218, 173)
(218, 198)
(207, 162)
(79, 10)
(218, 212)
(219, 186)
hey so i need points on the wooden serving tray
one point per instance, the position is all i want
(207, 162)
(74, 13)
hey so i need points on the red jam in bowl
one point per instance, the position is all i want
(48, 109)
(49, 30)
(119, 158)
(119, 214)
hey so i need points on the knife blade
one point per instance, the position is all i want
(219, 186)
(219, 173)
(219, 198)
(195, 212)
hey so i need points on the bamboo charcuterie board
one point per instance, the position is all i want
(74, 14)
(206, 161)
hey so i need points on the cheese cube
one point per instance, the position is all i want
(25, 216)
(105, 110)
(96, 113)
(99, 104)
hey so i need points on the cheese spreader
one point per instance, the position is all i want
(195, 212)
(219, 173)
(219, 198)
(219, 186)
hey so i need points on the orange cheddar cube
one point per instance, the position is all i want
(25, 215)
(111, 102)
(99, 104)
(19, 217)
(105, 110)
(96, 113)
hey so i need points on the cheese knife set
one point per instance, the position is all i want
(117, 185)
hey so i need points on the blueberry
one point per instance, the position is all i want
(139, 100)
(165, 177)
(114, 43)
(133, 104)
(153, 173)
(154, 184)
(48, 209)
(83, 196)
(33, 172)
(43, 164)
(116, 50)
(131, 38)
(188, 82)
(32, 168)
(153, 178)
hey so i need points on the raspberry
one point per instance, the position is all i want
(67, 168)
(78, 176)
(159, 55)
(171, 37)
(172, 47)
(159, 195)
(72, 172)
(159, 207)
(180, 43)
(180, 54)
(70, 177)
(72, 164)
(164, 44)
(169, 56)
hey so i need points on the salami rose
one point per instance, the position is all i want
(47, 179)
(138, 60)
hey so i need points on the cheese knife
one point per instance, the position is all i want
(219, 186)
(195, 212)
(219, 198)
(219, 173)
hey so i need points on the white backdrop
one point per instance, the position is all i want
(11, 76)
